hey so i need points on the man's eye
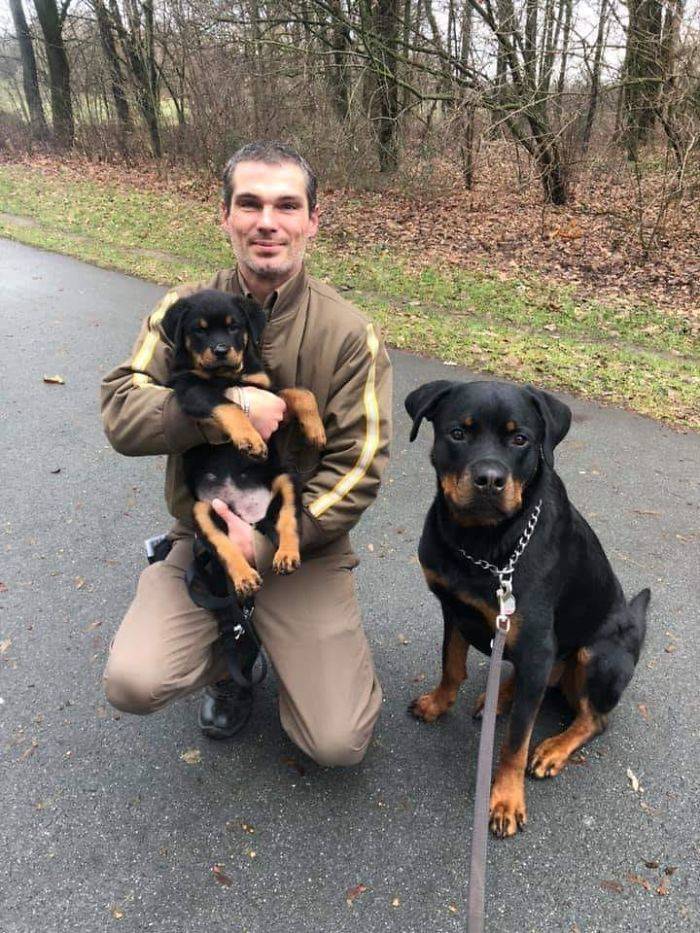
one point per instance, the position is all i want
(457, 434)
(519, 440)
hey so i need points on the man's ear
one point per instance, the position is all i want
(556, 419)
(174, 319)
(423, 402)
(256, 319)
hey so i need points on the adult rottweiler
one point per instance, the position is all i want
(499, 498)
(216, 339)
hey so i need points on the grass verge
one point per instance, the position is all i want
(519, 328)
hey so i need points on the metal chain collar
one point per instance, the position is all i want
(504, 593)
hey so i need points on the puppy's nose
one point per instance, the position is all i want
(220, 350)
(489, 476)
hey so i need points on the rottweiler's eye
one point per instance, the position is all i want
(519, 440)
(457, 434)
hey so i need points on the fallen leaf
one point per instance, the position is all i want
(29, 751)
(370, 547)
(670, 869)
(669, 649)
(402, 639)
(221, 876)
(662, 889)
(192, 756)
(637, 879)
(634, 780)
(453, 909)
(55, 380)
(3, 588)
(93, 625)
(294, 765)
(615, 887)
(396, 902)
(352, 893)
(117, 913)
(56, 471)
(643, 711)
(4, 645)
(651, 864)
(79, 583)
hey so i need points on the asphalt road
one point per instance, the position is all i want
(104, 826)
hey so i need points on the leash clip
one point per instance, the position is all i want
(238, 631)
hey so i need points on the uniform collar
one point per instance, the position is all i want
(283, 299)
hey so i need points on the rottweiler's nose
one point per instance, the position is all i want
(220, 350)
(489, 476)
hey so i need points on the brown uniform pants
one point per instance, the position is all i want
(309, 624)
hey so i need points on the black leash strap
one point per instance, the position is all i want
(238, 637)
(477, 870)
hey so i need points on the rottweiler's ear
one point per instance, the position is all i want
(423, 402)
(173, 320)
(556, 417)
(255, 318)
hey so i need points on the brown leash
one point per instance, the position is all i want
(477, 871)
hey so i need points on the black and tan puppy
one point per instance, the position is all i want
(493, 455)
(216, 342)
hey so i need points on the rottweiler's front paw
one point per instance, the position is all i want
(429, 706)
(548, 758)
(286, 561)
(507, 811)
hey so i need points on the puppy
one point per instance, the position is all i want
(216, 347)
(493, 454)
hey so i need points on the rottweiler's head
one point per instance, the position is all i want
(213, 331)
(490, 439)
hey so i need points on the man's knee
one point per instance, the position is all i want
(132, 689)
(339, 745)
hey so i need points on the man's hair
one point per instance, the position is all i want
(271, 153)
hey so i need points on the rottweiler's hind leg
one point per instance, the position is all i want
(551, 755)
(302, 405)
(245, 578)
(505, 698)
(287, 557)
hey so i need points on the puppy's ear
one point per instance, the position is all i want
(173, 321)
(256, 318)
(556, 418)
(423, 402)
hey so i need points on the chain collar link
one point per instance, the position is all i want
(523, 542)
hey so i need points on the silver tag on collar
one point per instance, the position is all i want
(506, 600)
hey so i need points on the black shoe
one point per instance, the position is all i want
(225, 709)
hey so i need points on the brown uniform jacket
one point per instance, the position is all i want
(313, 339)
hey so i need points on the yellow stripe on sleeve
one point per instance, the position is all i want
(144, 354)
(371, 442)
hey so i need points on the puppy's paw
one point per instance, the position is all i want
(507, 811)
(315, 433)
(252, 446)
(286, 561)
(429, 706)
(548, 758)
(503, 705)
(247, 584)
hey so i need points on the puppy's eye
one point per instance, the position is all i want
(519, 440)
(457, 434)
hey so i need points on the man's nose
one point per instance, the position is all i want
(267, 217)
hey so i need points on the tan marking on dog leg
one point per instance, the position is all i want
(287, 558)
(551, 755)
(259, 380)
(302, 404)
(236, 424)
(507, 810)
(245, 578)
(431, 705)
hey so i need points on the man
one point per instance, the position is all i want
(308, 622)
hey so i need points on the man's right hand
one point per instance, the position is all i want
(267, 410)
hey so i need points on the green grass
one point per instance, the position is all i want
(521, 328)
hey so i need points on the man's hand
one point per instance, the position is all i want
(240, 532)
(267, 410)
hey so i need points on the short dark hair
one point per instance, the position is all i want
(271, 153)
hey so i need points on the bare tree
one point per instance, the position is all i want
(30, 79)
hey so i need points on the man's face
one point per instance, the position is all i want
(269, 223)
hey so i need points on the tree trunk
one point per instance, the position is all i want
(37, 120)
(59, 71)
(595, 77)
(109, 48)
